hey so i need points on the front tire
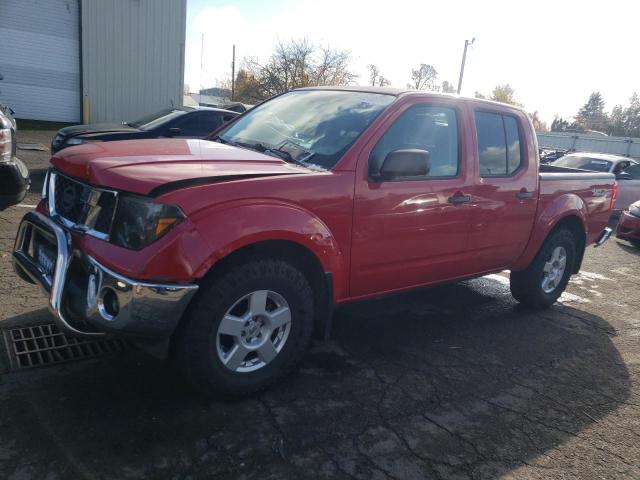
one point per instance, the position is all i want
(544, 280)
(246, 328)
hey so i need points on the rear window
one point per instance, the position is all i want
(584, 163)
(499, 145)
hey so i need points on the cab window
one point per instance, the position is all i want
(499, 144)
(430, 128)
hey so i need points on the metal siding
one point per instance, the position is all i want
(586, 143)
(40, 58)
(132, 56)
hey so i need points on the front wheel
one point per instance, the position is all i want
(246, 328)
(544, 280)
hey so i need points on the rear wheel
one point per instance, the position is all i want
(544, 280)
(246, 328)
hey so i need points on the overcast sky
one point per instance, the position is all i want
(554, 53)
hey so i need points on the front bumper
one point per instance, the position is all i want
(87, 298)
(628, 227)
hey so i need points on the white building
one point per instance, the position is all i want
(91, 60)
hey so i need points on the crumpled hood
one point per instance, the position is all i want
(144, 166)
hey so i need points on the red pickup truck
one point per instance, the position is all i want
(236, 249)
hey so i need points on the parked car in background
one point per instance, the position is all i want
(14, 175)
(628, 186)
(629, 225)
(234, 250)
(626, 170)
(237, 107)
(182, 122)
(548, 156)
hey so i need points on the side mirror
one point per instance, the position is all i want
(173, 131)
(624, 176)
(405, 163)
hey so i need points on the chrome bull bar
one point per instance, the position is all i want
(142, 309)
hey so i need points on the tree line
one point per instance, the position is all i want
(622, 121)
(301, 63)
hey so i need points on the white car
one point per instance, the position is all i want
(626, 170)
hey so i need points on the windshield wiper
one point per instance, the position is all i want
(286, 156)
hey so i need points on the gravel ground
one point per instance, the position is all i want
(451, 382)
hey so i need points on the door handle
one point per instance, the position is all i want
(524, 195)
(458, 199)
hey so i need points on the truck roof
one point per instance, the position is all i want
(408, 91)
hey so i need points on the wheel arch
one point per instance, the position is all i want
(573, 220)
(576, 225)
(300, 256)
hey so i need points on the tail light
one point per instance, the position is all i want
(614, 195)
(6, 145)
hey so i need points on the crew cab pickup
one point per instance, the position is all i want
(235, 249)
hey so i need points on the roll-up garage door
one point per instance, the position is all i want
(40, 58)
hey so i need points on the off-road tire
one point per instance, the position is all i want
(526, 285)
(194, 344)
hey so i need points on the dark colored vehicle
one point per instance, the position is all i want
(629, 225)
(183, 122)
(237, 107)
(14, 175)
(548, 156)
(232, 251)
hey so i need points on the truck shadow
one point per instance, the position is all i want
(627, 247)
(455, 380)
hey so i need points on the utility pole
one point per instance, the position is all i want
(233, 72)
(464, 59)
(201, 56)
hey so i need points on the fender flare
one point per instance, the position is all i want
(560, 209)
(252, 221)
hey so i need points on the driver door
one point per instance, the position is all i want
(413, 231)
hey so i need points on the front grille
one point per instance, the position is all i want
(107, 204)
(80, 205)
(71, 199)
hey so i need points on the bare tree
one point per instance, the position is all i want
(383, 81)
(376, 79)
(296, 64)
(374, 73)
(332, 68)
(447, 87)
(423, 78)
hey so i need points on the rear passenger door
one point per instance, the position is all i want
(506, 189)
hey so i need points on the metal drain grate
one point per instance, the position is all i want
(42, 345)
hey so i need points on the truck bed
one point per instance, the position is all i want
(593, 188)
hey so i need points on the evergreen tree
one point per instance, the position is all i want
(592, 116)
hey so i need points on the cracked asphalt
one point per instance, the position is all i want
(446, 383)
